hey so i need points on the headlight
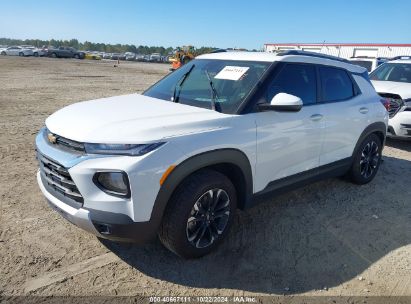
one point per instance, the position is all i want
(119, 149)
(113, 183)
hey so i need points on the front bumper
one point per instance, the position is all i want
(108, 225)
(400, 125)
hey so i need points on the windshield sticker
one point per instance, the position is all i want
(231, 73)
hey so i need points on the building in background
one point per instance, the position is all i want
(344, 50)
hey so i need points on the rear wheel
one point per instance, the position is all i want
(3, 53)
(367, 160)
(21, 54)
(199, 214)
(53, 55)
(76, 56)
(36, 54)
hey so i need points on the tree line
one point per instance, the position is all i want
(100, 47)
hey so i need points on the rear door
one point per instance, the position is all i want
(345, 113)
(289, 142)
(13, 51)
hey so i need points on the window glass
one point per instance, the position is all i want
(335, 84)
(398, 72)
(295, 79)
(231, 87)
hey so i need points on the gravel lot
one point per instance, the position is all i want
(330, 238)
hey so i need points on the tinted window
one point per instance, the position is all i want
(295, 79)
(335, 84)
(398, 72)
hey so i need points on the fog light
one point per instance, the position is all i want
(113, 183)
(103, 229)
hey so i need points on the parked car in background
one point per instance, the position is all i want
(37, 52)
(92, 56)
(107, 55)
(17, 51)
(155, 57)
(118, 56)
(65, 52)
(142, 58)
(130, 56)
(370, 63)
(392, 80)
(115, 56)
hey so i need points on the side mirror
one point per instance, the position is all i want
(283, 102)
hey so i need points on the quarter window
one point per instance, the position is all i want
(335, 84)
(295, 79)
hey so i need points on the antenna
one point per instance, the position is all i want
(322, 47)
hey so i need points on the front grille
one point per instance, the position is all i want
(57, 180)
(70, 144)
(396, 103)
(65, 143)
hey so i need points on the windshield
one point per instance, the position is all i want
(232, 81)
(398, 72)
(364, 63)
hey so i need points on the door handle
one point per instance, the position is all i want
(363, 110)
(316, 117)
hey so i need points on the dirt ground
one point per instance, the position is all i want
(331, 238)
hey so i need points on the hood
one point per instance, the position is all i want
(400, 88)
(131, 119)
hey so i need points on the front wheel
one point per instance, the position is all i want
(36, 54)
(3, 53)
(21, 54)
(76, 56)
(367, 160)
(199, 214)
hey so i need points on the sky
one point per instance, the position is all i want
(225, 23)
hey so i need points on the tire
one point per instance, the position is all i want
(76, 56)
(366, 161)
(21, 54)
(3, 53)
(191, 226)
(36, 54)
(53, 55)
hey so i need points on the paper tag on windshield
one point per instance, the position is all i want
(231, 73)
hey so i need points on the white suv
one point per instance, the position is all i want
(209, 138)
(392, 80)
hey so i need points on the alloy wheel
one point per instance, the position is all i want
(208, 218)
(369, 159)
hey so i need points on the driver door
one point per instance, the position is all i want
(289, 143)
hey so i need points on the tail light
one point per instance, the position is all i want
(386, 103)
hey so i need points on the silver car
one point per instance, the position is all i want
(17, 51)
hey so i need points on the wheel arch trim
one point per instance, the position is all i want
(376, 127)
(197, 162)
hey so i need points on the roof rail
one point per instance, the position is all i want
(312, 54)
(401, 57)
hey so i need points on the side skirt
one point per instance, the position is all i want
(298, 180)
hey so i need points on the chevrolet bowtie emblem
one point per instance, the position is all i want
(52, 139)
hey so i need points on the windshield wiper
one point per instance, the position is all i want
(179, 84)
(214, 94)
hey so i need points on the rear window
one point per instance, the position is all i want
(336, 85)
